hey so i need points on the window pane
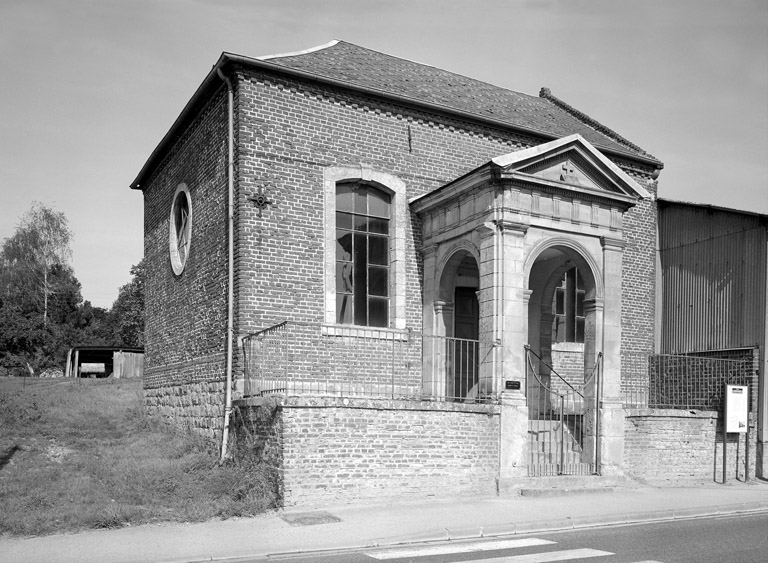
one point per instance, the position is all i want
(344, 309)
(377, 308)
(360, 275)
(378, 251)
(377, 281)
(380, 226)
(361, 223)
(378, 203)
(344, 277)
(558, 329)
(343, 245)
(579, 330)
(182, 211)
(345, 197)
(559, 302)
(343, 221)
(361, 206)
(580, 303)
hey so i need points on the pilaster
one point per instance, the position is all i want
(611, 412)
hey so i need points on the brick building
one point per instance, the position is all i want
(403, 278)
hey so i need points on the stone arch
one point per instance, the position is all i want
(576, 252)
(544, 269)
(450, 264)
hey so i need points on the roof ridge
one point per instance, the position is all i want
(301, 52)
(546, 93)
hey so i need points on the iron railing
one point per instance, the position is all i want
(681, 382)
(298, 358)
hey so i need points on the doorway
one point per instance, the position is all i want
(466, 323)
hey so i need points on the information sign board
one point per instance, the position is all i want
(736, 408)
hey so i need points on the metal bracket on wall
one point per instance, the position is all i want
(260, 200)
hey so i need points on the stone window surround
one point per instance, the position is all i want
(399, 207)
(179, 262)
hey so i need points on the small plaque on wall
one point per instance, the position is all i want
(511, 385)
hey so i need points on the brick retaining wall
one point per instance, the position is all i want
(675, 445)
(334, 450)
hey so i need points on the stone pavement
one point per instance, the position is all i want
(344, 527)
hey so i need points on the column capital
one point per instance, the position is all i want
(615, 244)
(527, 296)
(593, 305)
(443, 306)
(429, 251)
(486, 230)
(512, 227)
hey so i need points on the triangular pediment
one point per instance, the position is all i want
(571, 163)
(570, 166)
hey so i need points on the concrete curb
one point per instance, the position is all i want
(530, 527)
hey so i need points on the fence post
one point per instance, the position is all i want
(562, 436)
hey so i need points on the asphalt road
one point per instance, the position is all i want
(738, 539)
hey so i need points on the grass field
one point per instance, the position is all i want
(81, 454)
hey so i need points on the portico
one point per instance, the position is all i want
(538, 235)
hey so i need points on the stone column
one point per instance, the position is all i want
(593, 336)
(611, 420)
(514, 296)
(430, 382)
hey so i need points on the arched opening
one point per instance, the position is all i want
(458, 319)
(564, 316)
(560, 316)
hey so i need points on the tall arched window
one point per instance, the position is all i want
(362, 254)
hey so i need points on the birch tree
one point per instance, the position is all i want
(41, 241)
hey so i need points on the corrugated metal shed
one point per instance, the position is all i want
(713, 278)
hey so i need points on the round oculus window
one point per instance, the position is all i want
(180, 231)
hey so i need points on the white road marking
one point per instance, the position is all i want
(546, 557)
(446, 549)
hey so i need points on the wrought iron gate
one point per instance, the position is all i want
(563, 422)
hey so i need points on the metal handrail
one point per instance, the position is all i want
(528, 349)
(348, 360)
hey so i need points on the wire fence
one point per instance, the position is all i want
(348, 361)
(682, 382)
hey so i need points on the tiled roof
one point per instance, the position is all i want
(357, 66)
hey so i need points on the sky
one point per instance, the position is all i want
(89, 87)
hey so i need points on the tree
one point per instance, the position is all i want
(128, 309)
(41, 242)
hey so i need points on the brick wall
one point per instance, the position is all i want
(347, 450)
(287, 133)
(568, 361)
(639, 274)
(186, 314)
(674, 445)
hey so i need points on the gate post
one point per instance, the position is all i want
(513, 444)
